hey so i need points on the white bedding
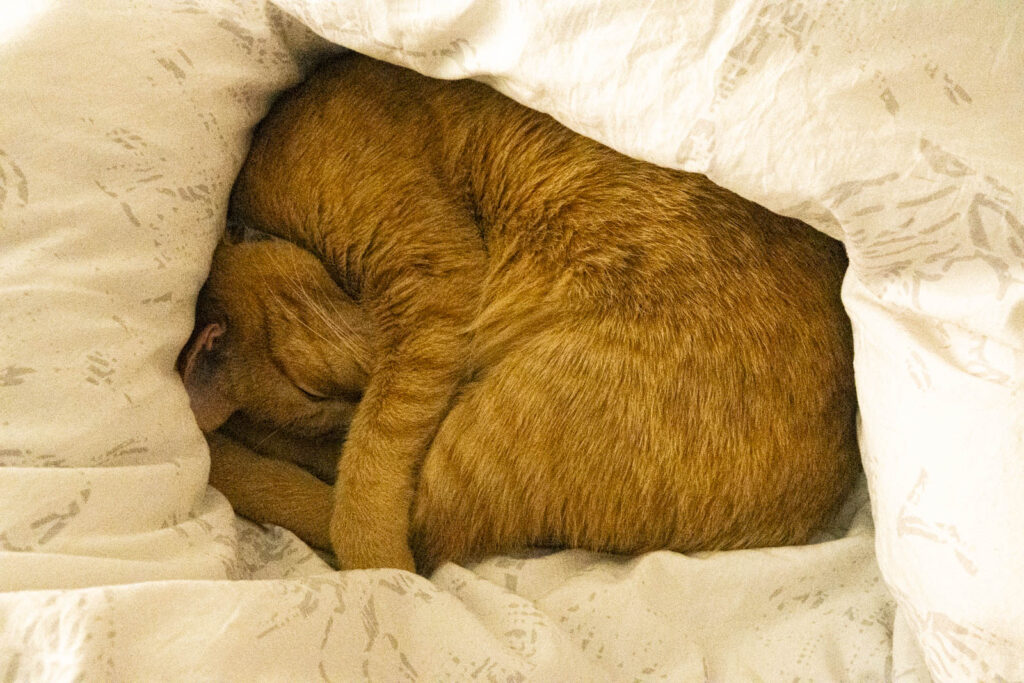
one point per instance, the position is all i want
(895, 128)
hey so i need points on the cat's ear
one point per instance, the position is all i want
(202, 375)
(202, 341)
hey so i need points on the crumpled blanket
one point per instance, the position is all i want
(895, 128)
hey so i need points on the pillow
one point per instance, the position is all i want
(123, 129)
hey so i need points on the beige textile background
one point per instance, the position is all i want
(895, 128)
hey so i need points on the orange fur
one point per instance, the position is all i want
(550, 343)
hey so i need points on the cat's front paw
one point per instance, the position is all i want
(361, 541)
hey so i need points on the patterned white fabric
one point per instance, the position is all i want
(895, 127)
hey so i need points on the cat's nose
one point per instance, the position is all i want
(210, 408)
(208, 422)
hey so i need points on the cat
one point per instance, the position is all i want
(520, 336)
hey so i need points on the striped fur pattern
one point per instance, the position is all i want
(525, 337)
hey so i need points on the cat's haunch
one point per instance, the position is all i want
(524, 337)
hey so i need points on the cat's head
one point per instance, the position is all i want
(276, 339)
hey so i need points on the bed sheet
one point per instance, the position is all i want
(894, 128)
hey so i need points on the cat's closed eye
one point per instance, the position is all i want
(312, 395)
(321, 388)
(346, 395)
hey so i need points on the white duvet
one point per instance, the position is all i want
(895, 128)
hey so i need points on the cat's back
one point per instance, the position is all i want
(347, 137)
(658, 362)
(616, 233)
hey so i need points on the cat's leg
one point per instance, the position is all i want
(319, 456)
(271, 491)
(388, 436)
(417, 266)
(470, 501)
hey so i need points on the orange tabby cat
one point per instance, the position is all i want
(525, 337)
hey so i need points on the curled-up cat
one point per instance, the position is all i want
(524, 337)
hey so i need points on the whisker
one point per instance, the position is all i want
(294, 280)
